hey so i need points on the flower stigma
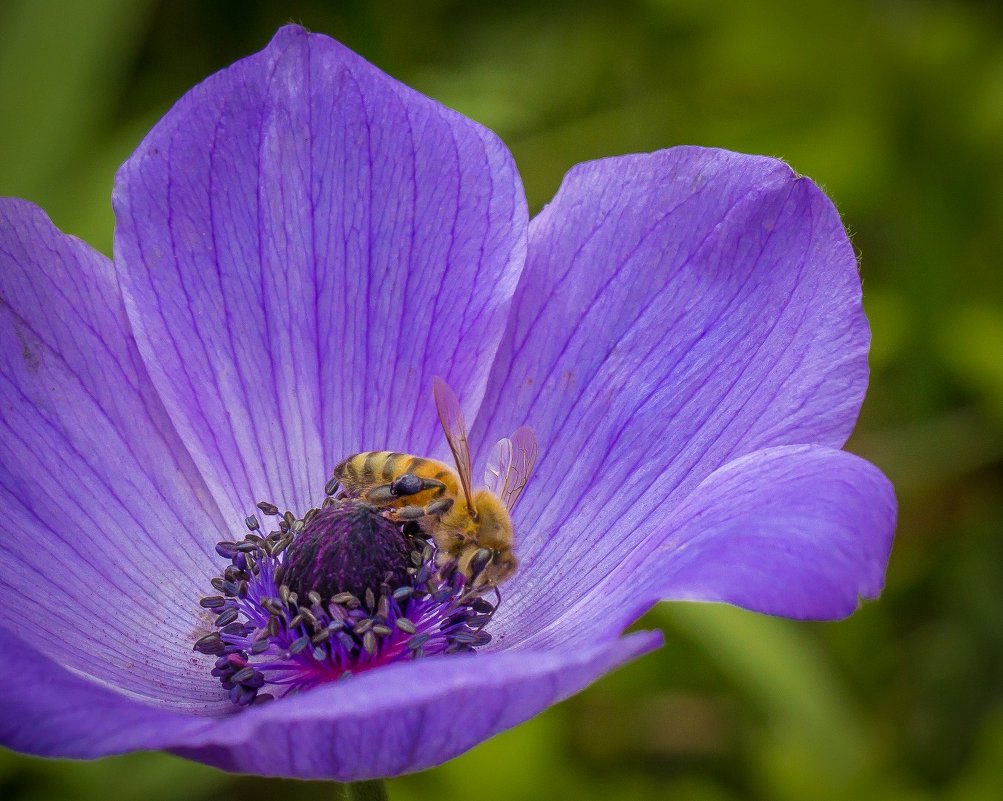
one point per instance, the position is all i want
(338, 591)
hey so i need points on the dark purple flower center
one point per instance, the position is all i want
(336, 592)
(347, 548)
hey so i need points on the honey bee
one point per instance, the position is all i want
(471, 526)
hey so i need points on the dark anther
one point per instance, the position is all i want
(363, 626)
(402, 593)
(272, 606)
(226, 617)
(406, 625)
(480, 605)
(210, 644)
(256, 681)
(323, 594)
(242, 675)
(238, 628)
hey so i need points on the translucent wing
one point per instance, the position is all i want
(510, 465)
(451, 417)
(497, 467)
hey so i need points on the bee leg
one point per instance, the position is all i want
(409, 513)
(380, 494)
(434, 509)
(439, 507)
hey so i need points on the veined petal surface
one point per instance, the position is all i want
(108, 530)
(678, 310)
(401, 718)
(303, 243)
(800, 531)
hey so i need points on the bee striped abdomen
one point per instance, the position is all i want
(361, 473)
(365, 469)
(389, 472)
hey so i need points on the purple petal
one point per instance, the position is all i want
(49, 711)
(303, 242)
(108, 529)
(678, 310)
(398, 719)
(800, 531)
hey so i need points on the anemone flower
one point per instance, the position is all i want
(302, 244)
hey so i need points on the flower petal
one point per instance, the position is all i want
(678, 310)
(303, 242)
(108, 529)
(409, 716)
(401, 718)
(797, 530)
(49, 711)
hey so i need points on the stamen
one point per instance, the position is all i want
(335, 592)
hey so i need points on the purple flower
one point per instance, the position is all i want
(302, 244)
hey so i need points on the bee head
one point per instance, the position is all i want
(491, 566)
(503, 564)
(494, 561)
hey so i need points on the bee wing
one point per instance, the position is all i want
(451, 417)
(510, 465)
(497, 467)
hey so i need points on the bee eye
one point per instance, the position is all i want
(481, 560)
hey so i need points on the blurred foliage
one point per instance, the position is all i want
(896, 108)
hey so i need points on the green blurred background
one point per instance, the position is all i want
(896, 108)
